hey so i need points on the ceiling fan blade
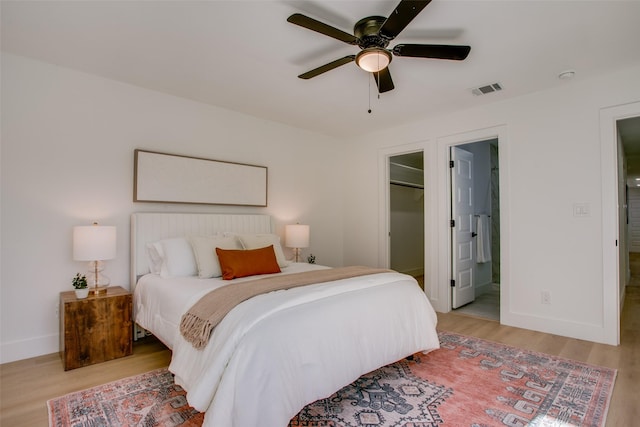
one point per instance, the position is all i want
(327, 67)
(439, 51)
(383, 80)
(322, 28)
(401, 16)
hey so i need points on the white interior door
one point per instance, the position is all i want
(462, 256)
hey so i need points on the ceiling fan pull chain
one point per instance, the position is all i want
(369, 93)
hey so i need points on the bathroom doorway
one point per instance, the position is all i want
(475, 204)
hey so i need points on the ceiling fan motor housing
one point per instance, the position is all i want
(367, 31)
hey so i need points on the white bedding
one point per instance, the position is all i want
(277, 352)
(160, 303)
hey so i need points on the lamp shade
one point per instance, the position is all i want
(94, 242)
(297, 236)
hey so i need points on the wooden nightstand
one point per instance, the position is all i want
(95, 329)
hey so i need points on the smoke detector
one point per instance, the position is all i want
(485, 89)
(566, 75)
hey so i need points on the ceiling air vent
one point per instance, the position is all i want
(483, 90)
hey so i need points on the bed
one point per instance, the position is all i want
(274, 353)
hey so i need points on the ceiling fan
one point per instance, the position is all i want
(372, 35)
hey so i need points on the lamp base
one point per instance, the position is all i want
(98, 282)
(98, 290)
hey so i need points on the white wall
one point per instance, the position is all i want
(550, 152)
(67, 159)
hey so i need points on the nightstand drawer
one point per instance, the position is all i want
(95, 329)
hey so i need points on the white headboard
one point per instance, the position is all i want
(151, 227)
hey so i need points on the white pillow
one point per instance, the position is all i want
(204, 248)
(177, 258)
(257, 241)
(154, 260)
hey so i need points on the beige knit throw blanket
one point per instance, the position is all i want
(196, 325)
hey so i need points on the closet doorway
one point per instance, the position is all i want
(475, 232)
(406, 214)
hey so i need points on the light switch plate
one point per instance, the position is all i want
(581, 209)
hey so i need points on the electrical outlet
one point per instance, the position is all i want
(545, 297)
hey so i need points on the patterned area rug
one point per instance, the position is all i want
(468, 382)
(150, 399)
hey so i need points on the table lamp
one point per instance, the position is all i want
(95, 243)
(297, 237)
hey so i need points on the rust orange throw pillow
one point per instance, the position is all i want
(242, 263)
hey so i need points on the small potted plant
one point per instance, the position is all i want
(80, 284)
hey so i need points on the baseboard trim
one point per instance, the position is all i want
(28, 348)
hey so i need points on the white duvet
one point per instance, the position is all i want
(277, 352)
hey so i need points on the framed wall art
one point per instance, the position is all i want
(171, 178)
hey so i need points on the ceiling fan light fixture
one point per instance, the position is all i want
(373, 59)
(372, 35)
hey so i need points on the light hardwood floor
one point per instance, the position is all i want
(26, 385)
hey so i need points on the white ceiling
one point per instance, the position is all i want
(244, 56)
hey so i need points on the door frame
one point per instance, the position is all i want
(443, 300)
(611, 284)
